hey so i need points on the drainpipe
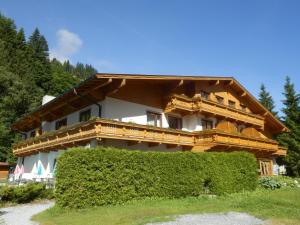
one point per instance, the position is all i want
(90, 100)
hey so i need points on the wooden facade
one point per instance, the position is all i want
(242, 123)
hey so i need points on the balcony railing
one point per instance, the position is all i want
(98, 128)
(218, 138)
(102, 128)
(183, 103)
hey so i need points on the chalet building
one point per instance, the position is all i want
(148, 112)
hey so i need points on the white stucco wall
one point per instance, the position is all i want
(125, 111)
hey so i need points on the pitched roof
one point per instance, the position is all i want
(34, 118)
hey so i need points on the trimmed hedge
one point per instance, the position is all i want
(94, 177)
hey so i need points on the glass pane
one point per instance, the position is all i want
(151, 119)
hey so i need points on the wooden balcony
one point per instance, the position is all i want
(102, 128)
(185, 104)
(217, 139)
(83, 133)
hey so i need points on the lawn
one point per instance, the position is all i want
(280, 206)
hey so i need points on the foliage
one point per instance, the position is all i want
(26, 74)
(269, 182)
(266, 99)
(281, 206)
(292, 121)
(101, 176)
(25, 193)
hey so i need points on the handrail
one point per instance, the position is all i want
(104, 128)
(197, 104)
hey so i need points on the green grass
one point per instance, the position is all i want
(280, 206)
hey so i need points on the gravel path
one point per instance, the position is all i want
(21, 214)
(231, 218)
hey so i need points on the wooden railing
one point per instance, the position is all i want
(183, 103)
(220, 138)
(102, 128)
(82, 133)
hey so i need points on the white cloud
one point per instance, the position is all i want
(68, 44)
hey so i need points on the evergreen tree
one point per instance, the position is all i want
(62, 78)
(40, 65)
(26, 74)
(266, 100)
(292, 120)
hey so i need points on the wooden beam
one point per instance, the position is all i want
(173, 87)
(114, 87)
(214, 82)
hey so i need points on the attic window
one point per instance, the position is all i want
(231, 104)
(204, 95)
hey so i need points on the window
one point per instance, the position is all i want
(220, 99)
(24, 136)
(207, 124)
(154, 119)
(231, 104)
(204, 94)
(85, 115)
(243, 107)
(32, 134)
(60, 123)
(175, 122)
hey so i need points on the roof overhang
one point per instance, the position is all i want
(99, 85)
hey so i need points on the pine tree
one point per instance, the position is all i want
(292, 120)
(40, 66)
(266, 100)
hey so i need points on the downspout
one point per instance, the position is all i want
(90, 100)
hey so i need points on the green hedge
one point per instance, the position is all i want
(93, 177)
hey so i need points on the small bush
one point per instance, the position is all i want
(25, 193)
(269, 183)
(93, 177)
(276, 182)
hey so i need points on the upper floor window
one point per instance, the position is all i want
(175, 122)
(154, 119)
(85, 115)
(231, 104)
(243, 107)
(32, 133)
(204, 94)
(61, 123)
(24, 136)
(220, 99)
(207, 124)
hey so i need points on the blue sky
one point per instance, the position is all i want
(254, 41)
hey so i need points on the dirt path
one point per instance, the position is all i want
(21, 214)
(231, 218)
